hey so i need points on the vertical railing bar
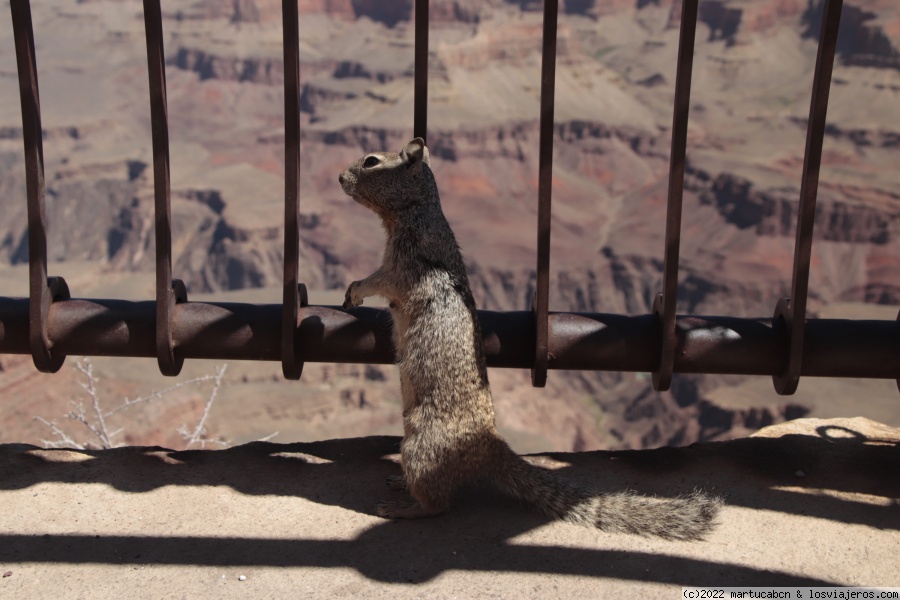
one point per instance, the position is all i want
(540, 305)
(792, 311)
(42, 291)
(665, 302)
(169, 292)
(420, 100)
(294, 292)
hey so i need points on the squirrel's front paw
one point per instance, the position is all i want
(352, 297)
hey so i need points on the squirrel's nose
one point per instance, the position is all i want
(341, 179)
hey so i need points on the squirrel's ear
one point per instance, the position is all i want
(415, 152)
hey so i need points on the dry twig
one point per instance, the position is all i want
(196, 436)
(97, 425)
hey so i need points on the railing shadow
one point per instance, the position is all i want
(759, 473)
(406, 553)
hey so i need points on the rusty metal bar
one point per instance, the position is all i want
(420, 100)
(169, 292)
(43, 291)
(791, 312)
(664, 303)
(540, 304)
(294, 296)
(608, 342)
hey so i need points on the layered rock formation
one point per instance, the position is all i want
(752, 78)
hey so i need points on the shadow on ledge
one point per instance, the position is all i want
(838, 472)
(393, 555)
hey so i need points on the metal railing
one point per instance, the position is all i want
(49, 324)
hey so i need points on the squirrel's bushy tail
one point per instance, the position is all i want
(683, 518)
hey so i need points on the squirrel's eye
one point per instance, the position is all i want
(371, 161)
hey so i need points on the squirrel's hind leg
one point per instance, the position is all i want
(396, 483)
(427, 504)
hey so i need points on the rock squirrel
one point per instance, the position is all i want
(448, 413)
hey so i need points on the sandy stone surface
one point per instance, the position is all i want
(811, 503)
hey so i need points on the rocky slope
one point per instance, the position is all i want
(752, 77)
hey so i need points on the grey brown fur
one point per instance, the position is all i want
(448, 413)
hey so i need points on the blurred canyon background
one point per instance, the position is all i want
(615, 83)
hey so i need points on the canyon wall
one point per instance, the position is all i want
(752, 77)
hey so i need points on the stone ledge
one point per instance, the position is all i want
(809, 502)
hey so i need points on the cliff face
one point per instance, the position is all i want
(773, 215)
(867, 38)
(210, 66)
(752, 74)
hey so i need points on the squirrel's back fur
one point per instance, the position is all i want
(448, 413)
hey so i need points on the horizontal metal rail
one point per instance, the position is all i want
(587, 341)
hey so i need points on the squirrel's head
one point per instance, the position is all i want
(390, 182)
